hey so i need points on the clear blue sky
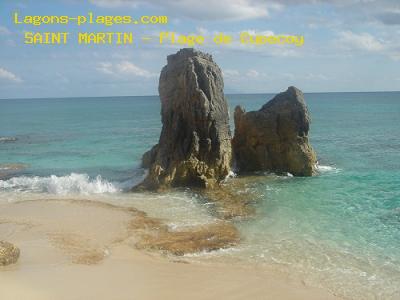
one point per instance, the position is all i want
(349, 46)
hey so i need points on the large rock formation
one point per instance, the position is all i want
(9, 254)
(275, 138)
(194, 148)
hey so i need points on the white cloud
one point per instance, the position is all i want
(253, 73)
(386, 43)
(228, 73)
(258, 32)
(4, 30)
(395, 55)
(124, 68)
(204, 10)
(106, 68)
(115, 3)
(362, 41)
(203, 31)
(9, 76)
(384, 11)
(312, 76)
(10, 43)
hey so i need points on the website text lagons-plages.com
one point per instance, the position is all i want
(126, 38)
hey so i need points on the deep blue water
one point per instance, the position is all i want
(341, 228)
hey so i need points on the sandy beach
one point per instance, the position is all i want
(74, 249)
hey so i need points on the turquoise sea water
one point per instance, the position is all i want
(340, 229)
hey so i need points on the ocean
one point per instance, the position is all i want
(339, 229)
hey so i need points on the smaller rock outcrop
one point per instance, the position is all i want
(9, 254)
(275, 138)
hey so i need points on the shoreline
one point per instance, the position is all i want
(83, 249)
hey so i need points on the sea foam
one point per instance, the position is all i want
(6, 139)
(327, 169)
(60, 185)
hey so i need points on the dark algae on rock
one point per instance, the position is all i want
(275, 138)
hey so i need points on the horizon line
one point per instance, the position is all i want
(258, 93)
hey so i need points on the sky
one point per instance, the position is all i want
(349, 46)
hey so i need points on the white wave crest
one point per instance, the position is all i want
(5, 139)
(326, 169)
(60, 185)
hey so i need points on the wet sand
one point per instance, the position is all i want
(74, 249)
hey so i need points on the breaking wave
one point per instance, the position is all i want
(60, 185)
(6, 139)
(326, 169)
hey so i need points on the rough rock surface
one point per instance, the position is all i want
(149, 157)
(9, 254)
(228, 203)
(8, 170)
(275, 138)
(194, 148)
(155, 234)
(202, 238)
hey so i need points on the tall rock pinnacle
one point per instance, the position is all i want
(194, 148)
